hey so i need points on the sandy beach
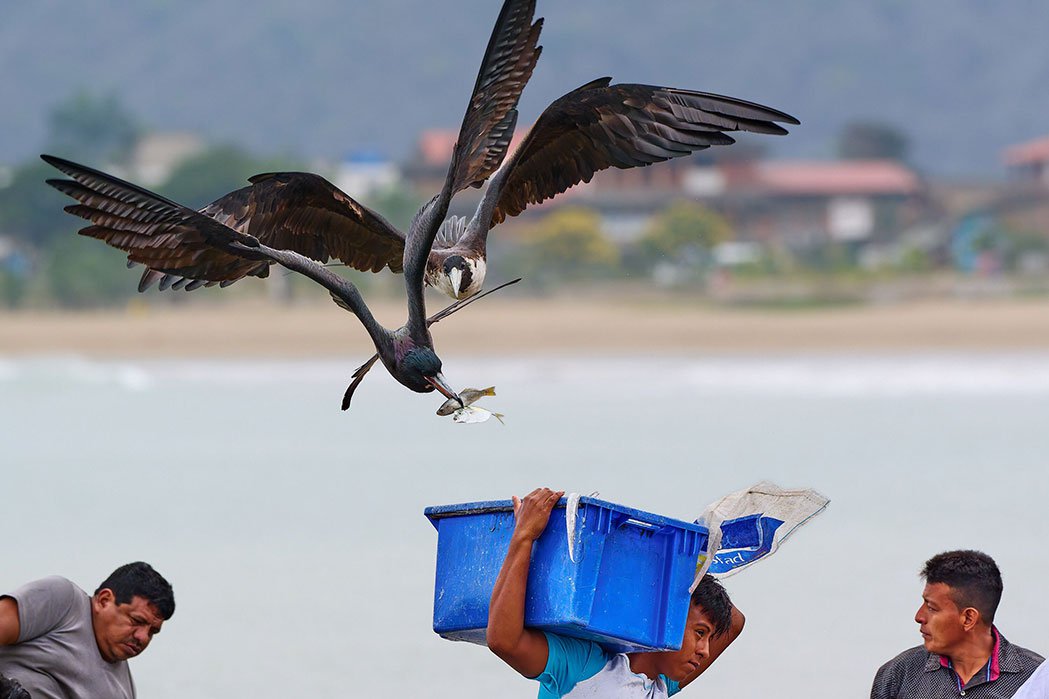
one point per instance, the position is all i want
(530, 326)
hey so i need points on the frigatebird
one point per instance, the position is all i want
(592, 128)
(124, 210)
(304, 213)
(201, 248)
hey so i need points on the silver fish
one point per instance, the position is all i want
(471, 414)
(469, 397)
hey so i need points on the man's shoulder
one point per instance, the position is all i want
(569, 662)
(895, 673)
(48, 604)
(57, 582)
(569, 645)
(1036, 658)
(55, 587)
(1029, 655)
(916, 656)
(1027, 658)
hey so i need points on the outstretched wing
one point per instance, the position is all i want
(491, 115)
(152, 230)
(305, 213)
(483, 139)
(169, 237)
(600, 125)
(296, 211)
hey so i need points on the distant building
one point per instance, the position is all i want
(794, 203)
(801, 203)
(1020, 208)
(363, 172)
(1029, 162)
(1024, 206)
(626, 200)
(427, 166)
(157, 154)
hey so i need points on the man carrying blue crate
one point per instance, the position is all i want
(570, 667)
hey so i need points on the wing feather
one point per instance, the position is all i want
(601, 125)
(301, 212)
(305, 213)
(484, 138)
(165, 236)
(488, 125)
(157, 232)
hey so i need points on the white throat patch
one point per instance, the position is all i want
(443, 282)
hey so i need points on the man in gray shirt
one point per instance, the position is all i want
(61, 643)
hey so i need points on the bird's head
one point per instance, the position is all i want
(420, 371)
(460, 275)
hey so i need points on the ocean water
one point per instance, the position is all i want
(293, 532)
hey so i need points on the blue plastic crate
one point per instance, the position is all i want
(627, 589)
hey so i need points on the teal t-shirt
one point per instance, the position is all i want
(579, 669)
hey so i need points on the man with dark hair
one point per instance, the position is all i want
(963, 653)
(61, 643)
(570, 667)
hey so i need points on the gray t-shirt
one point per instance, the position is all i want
(56, 656)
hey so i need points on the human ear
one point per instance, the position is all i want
(104, 597)
(970, 618)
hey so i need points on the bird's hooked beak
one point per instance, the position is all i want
(455, 278)
(441, 385)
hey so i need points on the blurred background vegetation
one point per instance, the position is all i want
(686, 246)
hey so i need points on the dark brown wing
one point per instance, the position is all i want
(483, 140)
(305, 213)
(600, 125)
(300, 212)
(168, 237)
(491, 116)
(154, 231)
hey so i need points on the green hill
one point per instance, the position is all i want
(963, 78)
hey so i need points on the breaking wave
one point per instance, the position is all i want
(821, 375)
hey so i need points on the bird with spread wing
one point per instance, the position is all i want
(592, 128)
(297, 219)
(300, 220)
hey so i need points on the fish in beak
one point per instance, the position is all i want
(441, 385)
(463, 410)
(466, 397)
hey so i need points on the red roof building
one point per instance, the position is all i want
(837, 178)
(794, 202)
(804, 203)
(1029, 162)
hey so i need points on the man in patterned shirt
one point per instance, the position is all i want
(963, 654)
(570, 667)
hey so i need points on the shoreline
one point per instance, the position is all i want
(516, 326)
(532, 327)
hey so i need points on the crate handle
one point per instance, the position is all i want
(639, 524)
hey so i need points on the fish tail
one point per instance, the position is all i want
(490, 391)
